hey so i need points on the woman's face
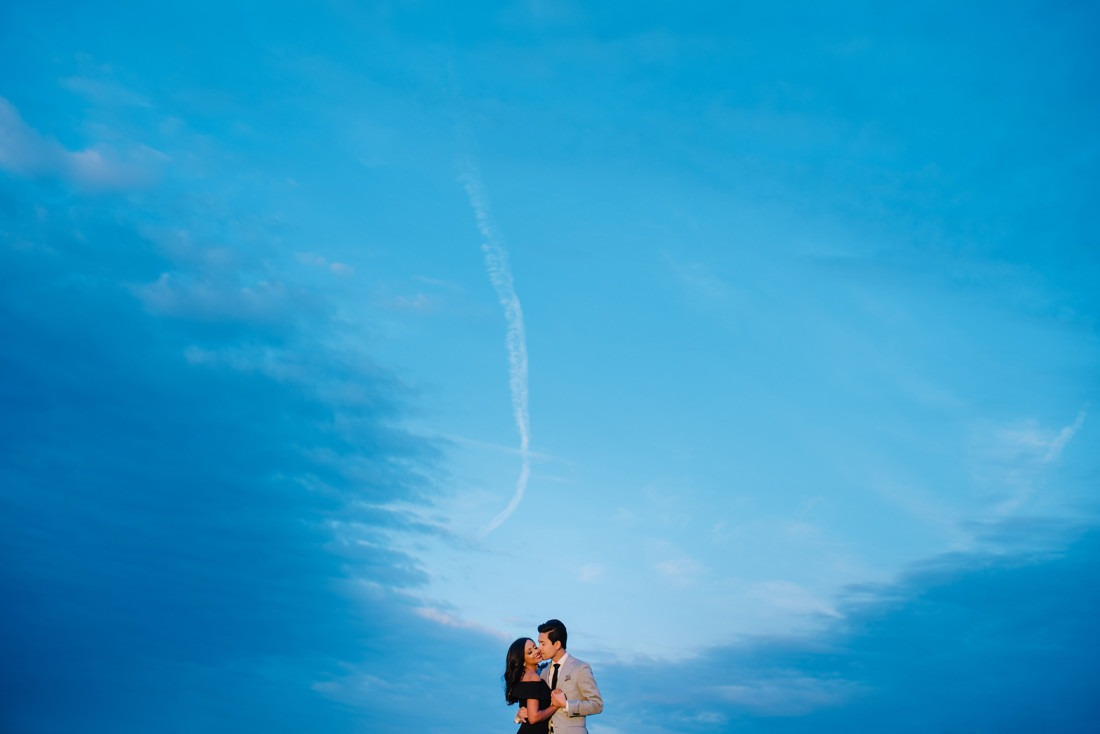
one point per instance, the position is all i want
(531, 654)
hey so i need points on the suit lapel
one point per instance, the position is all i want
(563, 671)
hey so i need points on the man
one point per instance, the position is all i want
(571, 683)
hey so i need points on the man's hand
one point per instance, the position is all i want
(557, 697)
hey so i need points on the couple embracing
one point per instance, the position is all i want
(558, 698)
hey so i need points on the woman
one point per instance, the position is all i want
(523, 685)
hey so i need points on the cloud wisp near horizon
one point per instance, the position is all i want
(809, 325)
(931, 631)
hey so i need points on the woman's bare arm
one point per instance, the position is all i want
(535, 714)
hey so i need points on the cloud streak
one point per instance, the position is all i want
(26, 152)
(500, 274)
(1055, 447)
(1024, 625)
(1016, 459)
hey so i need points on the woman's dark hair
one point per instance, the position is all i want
(513, 668)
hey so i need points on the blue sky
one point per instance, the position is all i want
(345, 342)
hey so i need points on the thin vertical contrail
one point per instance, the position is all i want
(496, 263)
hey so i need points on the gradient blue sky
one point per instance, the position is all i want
(345, 342)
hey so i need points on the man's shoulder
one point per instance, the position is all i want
(574, 661)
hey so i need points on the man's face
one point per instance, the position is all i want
(548, 649)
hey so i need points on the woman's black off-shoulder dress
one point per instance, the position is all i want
(533, 689)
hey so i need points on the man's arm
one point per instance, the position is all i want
(590, 701)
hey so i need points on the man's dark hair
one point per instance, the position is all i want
(555, 631)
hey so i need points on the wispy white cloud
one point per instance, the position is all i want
(449, 620)
(418, 302)
(104, 91)
(26, 152)
(682, 571)
(675, 565)
(496, 447)
(796, 695)
(439, 282)
(178, 295)
(1054, 450)
(500, 273)
(312, 259)
(790, 597)
(1015, 457)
